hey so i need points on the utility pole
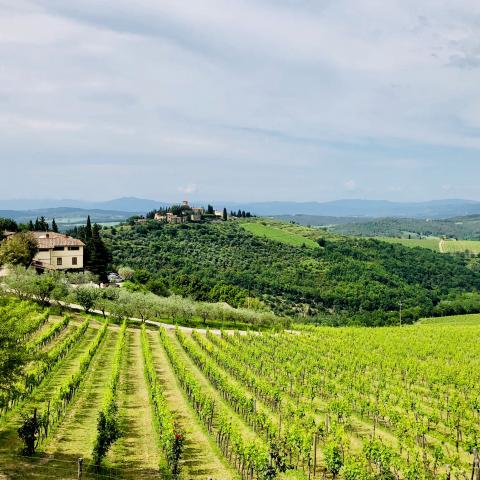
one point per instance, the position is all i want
(400, 313)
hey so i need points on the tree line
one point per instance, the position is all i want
(60, 289)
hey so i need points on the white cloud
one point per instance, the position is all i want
(188, 189)
(257, 97)
(350, 185)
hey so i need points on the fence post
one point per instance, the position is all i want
(80, 468)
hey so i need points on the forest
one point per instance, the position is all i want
(362, 279)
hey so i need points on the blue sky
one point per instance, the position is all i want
(240, 99)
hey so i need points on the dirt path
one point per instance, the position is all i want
(202, 458)
(76, 435)
(137, 448)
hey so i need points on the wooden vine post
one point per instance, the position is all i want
(80, 468)
(475, 465)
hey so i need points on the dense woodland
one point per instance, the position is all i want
(362, 278)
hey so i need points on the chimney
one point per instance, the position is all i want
(47, 235)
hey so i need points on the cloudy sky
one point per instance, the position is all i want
(240, 99)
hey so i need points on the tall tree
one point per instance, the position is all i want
(31, 226)
(43, 224)
(88, 230)
(54, 226)
(210, 210)
(225, 215)
(99, 255)
(18, 250)
(88, 251)
(8, 224)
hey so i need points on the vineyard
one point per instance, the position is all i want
(353, 403)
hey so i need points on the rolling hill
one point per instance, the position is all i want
(364, 278)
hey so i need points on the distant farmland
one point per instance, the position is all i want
(438, 245)
(472, 319)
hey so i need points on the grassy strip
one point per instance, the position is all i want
(171, 438)
(65, 393)
(107, 426)
(47, 362)
(43, 366)
(49, 334)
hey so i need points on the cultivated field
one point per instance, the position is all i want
(431, 243)
(470, 319)
(460, 246)
(280, 233)
(356, 402)
(437, 244)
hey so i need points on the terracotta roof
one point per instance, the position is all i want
(52, 239)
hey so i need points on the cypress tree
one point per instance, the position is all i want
(88, 230)
(37, 225)
(31, 227)
(100, 256)
(54, 226)
(42, 224)
(225, 215)
(88, 260)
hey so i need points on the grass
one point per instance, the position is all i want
(460, 246)
(137, 449)
(202, 457)
(279, 233)
(9, 442)
(431, 242)
(205, 384)
(78, 430)
(470, 319)
(436, 244)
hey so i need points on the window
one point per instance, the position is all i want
(59, 261)
(58, 249)
(74, 260)
(74, 248)
(43, 249)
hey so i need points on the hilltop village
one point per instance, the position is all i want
(185, 213)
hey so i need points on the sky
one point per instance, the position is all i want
(240, 100)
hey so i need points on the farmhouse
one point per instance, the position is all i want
(58, 252)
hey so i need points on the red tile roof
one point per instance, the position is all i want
(52, 239)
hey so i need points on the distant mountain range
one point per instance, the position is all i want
(124, 204)
(66, 217)
(435, 209)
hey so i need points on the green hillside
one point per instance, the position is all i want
(363, 279)
(274, 231)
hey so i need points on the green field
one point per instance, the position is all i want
(436, 244)
(279, 233)
(235, 398)
(460, 246)
(471, 319)
(431, 243)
